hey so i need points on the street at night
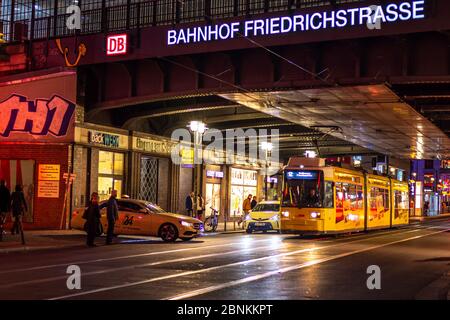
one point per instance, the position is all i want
(251, 157)
(240, 267)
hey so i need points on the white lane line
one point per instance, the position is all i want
(125, 257)
(291, 268)
(148, 264)
(130, 284)
(163, 252)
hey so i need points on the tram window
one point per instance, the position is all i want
(401, 201)
(349, 196)
(379, 198)
(304, 189)
(328, 195)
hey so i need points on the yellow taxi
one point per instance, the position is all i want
(265, 216)
(142, 218)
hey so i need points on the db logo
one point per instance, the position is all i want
(116, 44)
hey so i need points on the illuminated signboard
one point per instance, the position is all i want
(331, 19)
(301, 175)
(105, 139)
(37, 118)
(117, 44)
(214, 174)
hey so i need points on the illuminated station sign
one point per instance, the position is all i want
(367, 15)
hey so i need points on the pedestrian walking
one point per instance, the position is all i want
(190, 201)
(112, 214)
(254, 202)
(5, 198)
(246, 207)
(18, 208)
(200, 207)
(92, 217)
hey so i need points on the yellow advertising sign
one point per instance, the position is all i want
(49, 172)
(187, 156)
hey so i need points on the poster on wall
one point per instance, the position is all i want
(20, 172)
(49, 176)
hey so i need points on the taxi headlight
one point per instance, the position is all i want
(285, 214)
(247, 217)
(315, 215)
(275, 217)
(186, 224)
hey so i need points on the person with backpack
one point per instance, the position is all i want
(18, 208)
(5, 202)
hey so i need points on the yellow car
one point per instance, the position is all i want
(264, 217)
(137, 217)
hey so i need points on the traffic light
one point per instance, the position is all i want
(2, 40)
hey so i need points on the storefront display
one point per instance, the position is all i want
(110, 173)
(243, 183)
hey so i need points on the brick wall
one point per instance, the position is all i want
(47, 212)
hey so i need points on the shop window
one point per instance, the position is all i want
(243, 183)
(110, 173)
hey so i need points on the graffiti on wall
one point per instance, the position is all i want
(41, 117)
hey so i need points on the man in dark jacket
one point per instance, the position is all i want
(4, 205)
(92, 216)
(190, 201)
(112, 214)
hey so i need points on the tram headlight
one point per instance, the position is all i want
(285, 214)
(315, 215)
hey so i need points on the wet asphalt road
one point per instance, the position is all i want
(237, 267)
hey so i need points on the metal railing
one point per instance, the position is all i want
(40, 19)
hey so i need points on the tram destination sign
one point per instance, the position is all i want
(389, 12)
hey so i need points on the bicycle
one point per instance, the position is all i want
(212, 221)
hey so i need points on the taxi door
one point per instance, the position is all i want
(132, 219)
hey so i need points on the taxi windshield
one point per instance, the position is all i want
(303, 189)
(154, 208)
(266, 207)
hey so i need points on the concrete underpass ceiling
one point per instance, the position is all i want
(372, 117)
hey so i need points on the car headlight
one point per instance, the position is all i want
(285, 214)
(275, 217)
(247, 217)
(186, 224)
(315, 215)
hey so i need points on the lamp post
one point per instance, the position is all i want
(198, 128)
(267, 147)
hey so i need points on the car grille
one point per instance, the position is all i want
(197, 226)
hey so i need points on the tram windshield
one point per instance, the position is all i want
(306, 189)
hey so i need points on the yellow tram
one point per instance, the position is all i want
(318, 199)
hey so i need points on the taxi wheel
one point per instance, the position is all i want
(168, 232)
(249, 231)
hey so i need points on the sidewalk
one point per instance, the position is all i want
(54, 239)
(421, 219)
(41, 240)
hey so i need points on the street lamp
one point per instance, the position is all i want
(198, 128)
(267, 147)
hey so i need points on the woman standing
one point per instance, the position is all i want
(92, 216)
(18, 208)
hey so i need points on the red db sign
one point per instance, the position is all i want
(117, 44)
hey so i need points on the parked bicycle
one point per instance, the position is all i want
(212, 221)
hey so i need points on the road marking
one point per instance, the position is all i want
(211, 268)
(43, 280)
(124, 257)
(148, 264)
(291, 268)
(167, 252)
